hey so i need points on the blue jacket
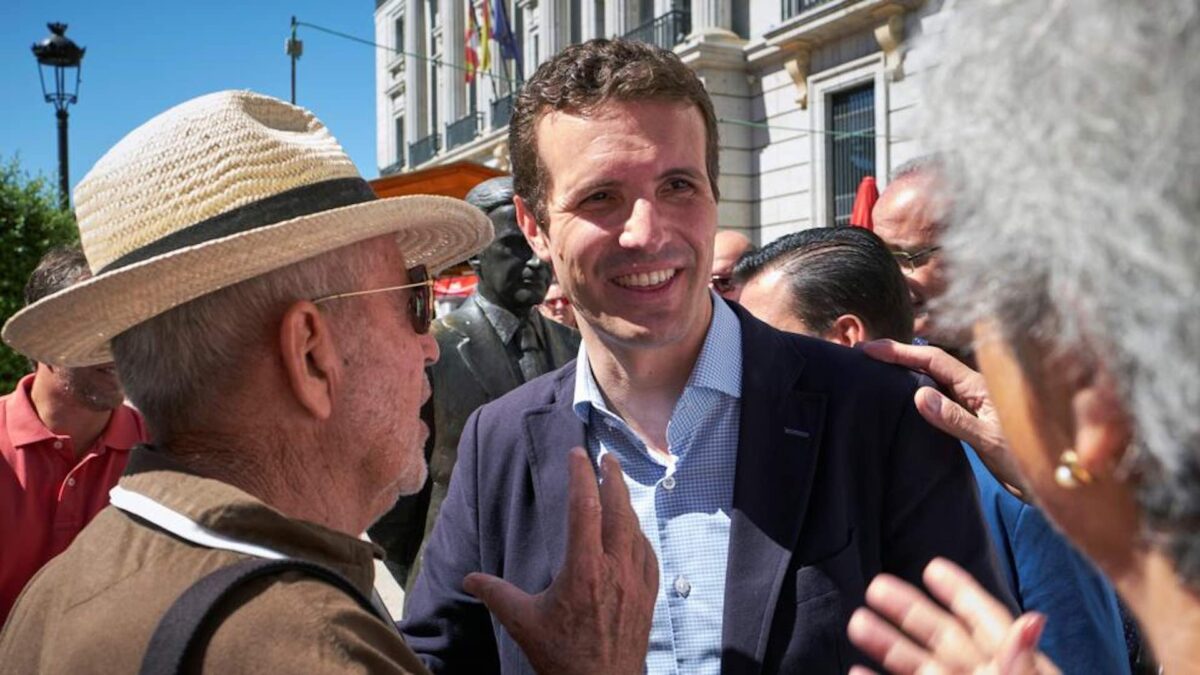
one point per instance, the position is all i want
(838, 479)
(1046, 574)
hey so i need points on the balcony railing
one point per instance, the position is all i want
(423, 150)
(393, 168)
(502, 111)
(462, 130)
(793, 8)
(665, 31)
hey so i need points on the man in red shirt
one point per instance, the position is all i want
(65, 435)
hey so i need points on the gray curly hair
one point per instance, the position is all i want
(1074, 153)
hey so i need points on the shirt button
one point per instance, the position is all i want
(58, 445)
(668, 483)
(682, 586)
(71, 482)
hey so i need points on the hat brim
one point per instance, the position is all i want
(73, 327)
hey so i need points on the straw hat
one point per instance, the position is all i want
(214, 191)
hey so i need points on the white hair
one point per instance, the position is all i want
(180, 363)
(1074, 164)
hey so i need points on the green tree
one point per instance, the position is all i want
(31, 222)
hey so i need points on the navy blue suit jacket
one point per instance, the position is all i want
(838, 479)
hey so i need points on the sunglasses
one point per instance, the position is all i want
(910, 262)
(420, 301)
(558, 303)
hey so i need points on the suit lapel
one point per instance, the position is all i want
(486, 356)
(553, 430)
(778, 439)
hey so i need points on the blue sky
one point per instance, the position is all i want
(144, 57)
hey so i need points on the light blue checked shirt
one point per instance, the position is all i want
(684, 503)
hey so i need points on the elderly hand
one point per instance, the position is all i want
(977, 635)
(967, 414)
(595, 616)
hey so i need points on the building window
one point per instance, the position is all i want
(576, 22)
(399, 38)
(434, 17)
(850, 147)
(400, 140)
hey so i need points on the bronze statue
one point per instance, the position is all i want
(493, 343)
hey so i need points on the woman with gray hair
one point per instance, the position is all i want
(1075, 255)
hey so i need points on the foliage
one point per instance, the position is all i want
(31, 222)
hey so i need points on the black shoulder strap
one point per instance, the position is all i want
(177, 632)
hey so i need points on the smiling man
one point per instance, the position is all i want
(773, 474)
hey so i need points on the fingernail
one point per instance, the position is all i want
(934, 402)
(1031, 632)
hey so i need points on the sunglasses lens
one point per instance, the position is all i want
(420, 303)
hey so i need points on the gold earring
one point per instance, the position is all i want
(1069, 474)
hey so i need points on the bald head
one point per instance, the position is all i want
(909, 218)
(727, 248)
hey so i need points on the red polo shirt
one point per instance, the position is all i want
(46, 495)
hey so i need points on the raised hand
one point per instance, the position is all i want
(967, 414)
(595, 616)
(909, 633)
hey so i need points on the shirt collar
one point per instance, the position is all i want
(229, 511)
(505, 322)
(25, 428)
(719, 366)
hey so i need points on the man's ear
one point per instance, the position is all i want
(1102, 428)
(310, 358)
(527, 221)
(847, 330)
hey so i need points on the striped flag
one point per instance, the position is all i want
(487, 33)
(471, 57)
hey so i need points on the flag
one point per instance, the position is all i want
(502, 31)
(471, 56)
(864, 202)
(486, 35)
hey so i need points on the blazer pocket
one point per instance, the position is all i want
(829, 574)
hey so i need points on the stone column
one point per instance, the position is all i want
(620, 17)
(415, 127)
(553, 27)
(590, 20)
(452, 81)
(710, 14)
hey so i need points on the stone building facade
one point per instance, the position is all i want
(812, 94)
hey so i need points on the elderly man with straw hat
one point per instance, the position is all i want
(269, 317)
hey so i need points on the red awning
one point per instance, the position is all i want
(454, 287)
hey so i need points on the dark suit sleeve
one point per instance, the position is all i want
(931, 507)
(447, 627)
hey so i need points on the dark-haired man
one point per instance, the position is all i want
(773, 474)
(65, 435)
(836, 283)
(842, 285)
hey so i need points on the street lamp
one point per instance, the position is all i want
(63, 56)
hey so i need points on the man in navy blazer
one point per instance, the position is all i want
(773, 474)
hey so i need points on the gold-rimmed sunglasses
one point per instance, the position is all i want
(420, 302)
(909, 262)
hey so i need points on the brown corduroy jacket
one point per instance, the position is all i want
(93, 608)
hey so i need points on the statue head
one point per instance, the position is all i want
(510, 275)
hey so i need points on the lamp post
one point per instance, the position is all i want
(60, 56)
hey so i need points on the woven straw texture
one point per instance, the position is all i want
(198, 160)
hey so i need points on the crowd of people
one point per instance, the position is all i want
(963, 441)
